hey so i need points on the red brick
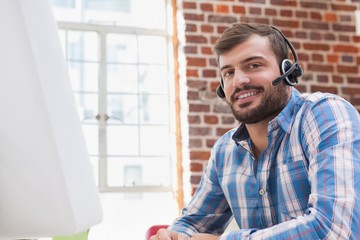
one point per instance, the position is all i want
(193, 95)
(337, 79)
(332, 58)
(322, 78)
(191, 27)
(316, 46)
(189, 5)
(195, 143)
(207, 28)
(351, 90)
(227, 120)
(192, 73)
(286, 23)
(197, 84)
(320, 68)
(324, 89)
(194, 17)
(196, 167)
(316, 16)
(316, 5)
(196, 62)
(220, 8)
(283, 3)
(207, 50)
(286, 13)
(301, 14)
(207, 7)
(343, 7)
(255, 10)
(211, 119)
(221, 131)
(238, 9)
(330, 17)
(195, 39)
(355, 80)
(347, 69)
(208, 73)
(194, 119)
(210, 142)
(343, 28)
(315, 25)
(199, 108)
(317, 57)
(199, 155)
(195, 180)
(191, 49)
(270, 12)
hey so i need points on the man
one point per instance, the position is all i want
(291, 169)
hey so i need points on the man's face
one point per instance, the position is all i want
(248, 71)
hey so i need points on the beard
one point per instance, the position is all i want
(273, 101)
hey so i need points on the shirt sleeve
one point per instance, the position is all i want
(208, 210)
(330, 135)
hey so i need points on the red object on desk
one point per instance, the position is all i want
(153, 230)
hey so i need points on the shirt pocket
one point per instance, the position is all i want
(294, 189)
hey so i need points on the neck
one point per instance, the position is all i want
(258, 134)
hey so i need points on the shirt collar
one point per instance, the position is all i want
(285, 118)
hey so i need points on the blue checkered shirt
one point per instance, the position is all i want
(305, 184)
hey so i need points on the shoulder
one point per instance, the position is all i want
(325, 102)
(225, 139)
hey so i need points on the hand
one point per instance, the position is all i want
(203, 236)
(165, 234)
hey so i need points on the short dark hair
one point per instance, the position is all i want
(240, 32)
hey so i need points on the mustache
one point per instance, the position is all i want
(245, 88)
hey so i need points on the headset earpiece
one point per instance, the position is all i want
(294, 71)
(219, 90)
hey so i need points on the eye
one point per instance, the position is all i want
(227, 74)
(254, 65)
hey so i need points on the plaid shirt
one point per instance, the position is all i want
(303, 186)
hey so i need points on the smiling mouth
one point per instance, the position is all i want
(247, 94)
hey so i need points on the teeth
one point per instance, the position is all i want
(248, 94)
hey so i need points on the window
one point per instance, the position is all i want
(121, 70)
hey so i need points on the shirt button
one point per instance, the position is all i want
(262, 192)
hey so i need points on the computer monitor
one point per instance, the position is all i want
(47, 186)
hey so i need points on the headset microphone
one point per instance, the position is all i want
(290, 71)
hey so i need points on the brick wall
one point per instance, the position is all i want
(322, 32)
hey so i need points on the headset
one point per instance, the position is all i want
(290, 71)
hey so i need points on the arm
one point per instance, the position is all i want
(330, 134)
(208, 208)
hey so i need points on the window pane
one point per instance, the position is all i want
(153, 79)
(122, 78)
(122, 140)
(87, 107)
(121, 48)
(91, 138)
(153, 109)
(132, 13)
(84, 76)
(152, 49)
(154, 140)
(94, 161)
(83, 46)
(122, 109)
(64, 3)
(135, 171)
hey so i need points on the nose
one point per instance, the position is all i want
(240, 79)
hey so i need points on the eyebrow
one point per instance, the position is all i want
(246, 60)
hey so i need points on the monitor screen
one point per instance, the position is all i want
(47, 187)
